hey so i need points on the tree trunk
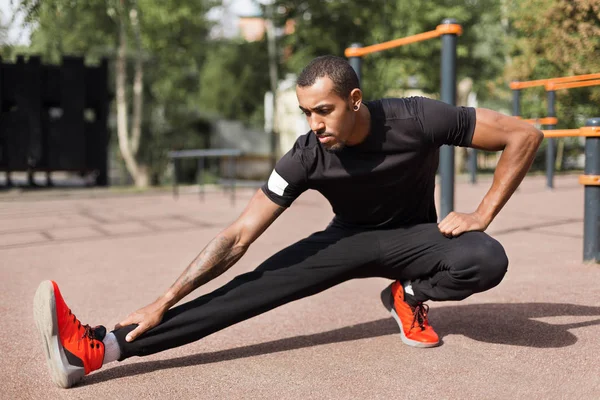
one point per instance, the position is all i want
(273, 78)
(137, 172)
(138, 82)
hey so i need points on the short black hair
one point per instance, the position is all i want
(335, 68)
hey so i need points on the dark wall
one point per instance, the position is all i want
(54, 118)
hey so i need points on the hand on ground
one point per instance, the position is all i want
(145, 318)
(456, 224)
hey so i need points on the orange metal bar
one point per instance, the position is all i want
(543, 82)
(445, 29)
(561, 133)
(559, 86)
(440, 30)
(590, 131)
(589, 180)
(586, 131)
(542, 121)
(523, 85)
(361, 51)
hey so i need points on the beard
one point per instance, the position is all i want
(336, 148)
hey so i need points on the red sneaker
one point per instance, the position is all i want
(72, 350)
(414, 325)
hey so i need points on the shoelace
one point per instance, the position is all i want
(420, 315)
(88, 331)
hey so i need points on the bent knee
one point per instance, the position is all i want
(490, 252)
(487, 258)
(493, 262)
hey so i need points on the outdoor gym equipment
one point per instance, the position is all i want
(551, 85)
(591, 180)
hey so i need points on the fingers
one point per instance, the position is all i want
(131, 336)
(140, 328)
(454, 225)
(449, 224)
(125, 322)
(458, 231)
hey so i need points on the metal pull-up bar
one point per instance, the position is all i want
(586, 131)
(551, 85)
(570, 85)
(443, 29)
(549, 82)
(542, 82)
(591, 182)
(541, 121)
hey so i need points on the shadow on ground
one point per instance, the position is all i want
(540, 225)
(511, 324)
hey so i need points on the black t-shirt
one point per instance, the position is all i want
(388, 179)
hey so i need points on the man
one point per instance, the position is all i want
(376, 163)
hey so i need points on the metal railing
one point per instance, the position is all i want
(232, 156)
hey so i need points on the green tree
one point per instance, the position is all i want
(329, 27)
(553, 38)
(158, 44)
(3, 29)
(234, 79)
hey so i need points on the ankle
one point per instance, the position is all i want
(409, 294)
(112, 351)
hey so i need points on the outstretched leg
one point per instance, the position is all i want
(312, 265)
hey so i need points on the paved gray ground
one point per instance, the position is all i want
(535, 336)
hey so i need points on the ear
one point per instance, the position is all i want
(356, 99)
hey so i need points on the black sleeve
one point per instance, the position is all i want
(446, 124)
(288, 180)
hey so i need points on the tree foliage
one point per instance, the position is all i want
(553, 38)
(234, 80)
(328, 27)
(172, 47)
(188, 76)
(4, 25)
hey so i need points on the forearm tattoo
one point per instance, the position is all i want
(220, 254)
(217, 257)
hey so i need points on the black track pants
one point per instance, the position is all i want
(440, 269)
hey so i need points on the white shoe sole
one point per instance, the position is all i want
(63, 374)
(386, 299)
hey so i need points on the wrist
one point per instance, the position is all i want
(166, 301)
(484, 216)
